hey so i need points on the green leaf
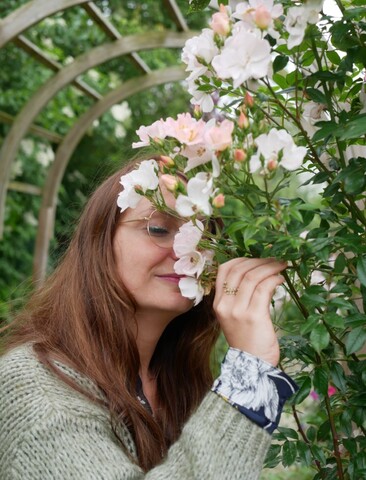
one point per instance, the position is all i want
(355, 128)
(310, 323)
(303, 391)
(316, 95)
(355, 340)
(334, 320)
(361, 269)
(319, 337)
(289, 432)
(280, 63)
(289, 452)
(198, 5)
(321, 381)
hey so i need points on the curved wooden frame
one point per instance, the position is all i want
(94, 57)
(50, 193)
(29, 14)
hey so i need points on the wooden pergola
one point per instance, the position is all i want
(12, 29)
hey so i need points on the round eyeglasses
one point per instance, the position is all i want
(161, 227)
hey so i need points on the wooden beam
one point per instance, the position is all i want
(110, 30)
(29, 14)
(25, 188)
(35, 52)
(176, 15)
(34, 129)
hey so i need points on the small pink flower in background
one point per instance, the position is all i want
(331, 391)
(220, 22)
(156, 130)
(243, 56)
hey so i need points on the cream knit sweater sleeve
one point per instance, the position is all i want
(48, 431)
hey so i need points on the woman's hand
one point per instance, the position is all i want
(244, 288)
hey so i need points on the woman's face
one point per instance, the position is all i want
(146, 269)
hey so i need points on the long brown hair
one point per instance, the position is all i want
(83, 316)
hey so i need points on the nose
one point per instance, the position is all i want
(173, 254)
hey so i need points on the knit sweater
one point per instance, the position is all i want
(49, 431)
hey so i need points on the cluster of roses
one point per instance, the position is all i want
(233, 51)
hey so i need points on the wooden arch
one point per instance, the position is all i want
(12, 28)
(68, 145)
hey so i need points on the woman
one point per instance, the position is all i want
(106, 373)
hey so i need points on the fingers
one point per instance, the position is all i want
(244, 289)
(244, 276)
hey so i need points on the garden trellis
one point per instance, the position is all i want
(13, 29)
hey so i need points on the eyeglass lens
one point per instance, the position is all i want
(162, 229)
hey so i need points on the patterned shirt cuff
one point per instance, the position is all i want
(256, 388)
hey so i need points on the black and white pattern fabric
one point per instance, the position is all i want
(256, 388)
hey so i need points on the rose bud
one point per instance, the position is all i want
(170, 182)
(240, 155)
(219, 200)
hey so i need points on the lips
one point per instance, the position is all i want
(171, 277)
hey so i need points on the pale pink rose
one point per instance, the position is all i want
(185, 128)
(188, 237)
(243, 56)
(156, 130)
(191, 288)
(220, 22)
(271, 145)
(219, 137)
(144, 178)
(199, 192)
(197, 154)
(190, 265)
(262, 17)
(258, 14)
(200, 47)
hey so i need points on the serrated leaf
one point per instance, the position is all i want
(319, 337)
(355, 340)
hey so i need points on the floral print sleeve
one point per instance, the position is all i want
(253, 386)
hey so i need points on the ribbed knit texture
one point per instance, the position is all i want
(48, 431)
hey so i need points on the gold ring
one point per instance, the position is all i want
(230, 291)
